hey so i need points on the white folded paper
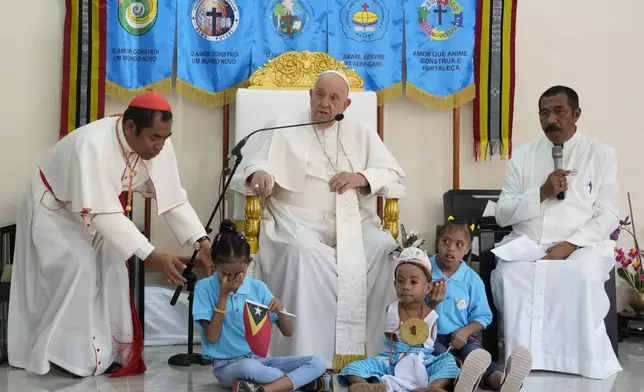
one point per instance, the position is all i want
(490, 209)
(521, 249)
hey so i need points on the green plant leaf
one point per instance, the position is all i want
(628, 277)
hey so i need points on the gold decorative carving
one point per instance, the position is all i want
(392, 213)
(253, 217)
(299, 70)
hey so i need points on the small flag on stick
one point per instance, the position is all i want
(258, 327)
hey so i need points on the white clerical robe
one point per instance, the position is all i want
(557, 308)
(325, 254)
(70, 296)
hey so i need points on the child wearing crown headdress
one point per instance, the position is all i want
(407, 361)
(465, 311)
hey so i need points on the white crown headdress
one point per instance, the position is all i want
(410, 253)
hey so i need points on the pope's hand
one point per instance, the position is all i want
(344, 181)
(168, 265)
(205, 255)
(261, 183)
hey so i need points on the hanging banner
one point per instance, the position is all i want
(494, 75)
(213, 49)
(367, 35)
(140, 47)
(440, 52)
(288, 25)
(83, 89)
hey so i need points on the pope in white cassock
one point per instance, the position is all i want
(321, 250)
(556, 306)
(70, 298)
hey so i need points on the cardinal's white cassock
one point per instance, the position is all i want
(556, 308)
(70, 297)
(325, 254)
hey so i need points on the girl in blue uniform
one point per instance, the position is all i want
(219, 308)
(465, 310)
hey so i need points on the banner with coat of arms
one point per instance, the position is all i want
(288, 25)
(440, 37)
(140, 47)
(367, 35)
(213, 49)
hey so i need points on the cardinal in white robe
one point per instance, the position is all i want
(556, 306)
(70, 302)
(321, 247)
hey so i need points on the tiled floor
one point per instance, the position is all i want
(161, 377)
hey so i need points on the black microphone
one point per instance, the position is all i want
(557, 157)
(236, 152)
(237, 149)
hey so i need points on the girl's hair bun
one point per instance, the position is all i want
(227, 226)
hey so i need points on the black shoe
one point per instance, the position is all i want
(246, 386)
(114, 367)
(324, 383)
(63, 371)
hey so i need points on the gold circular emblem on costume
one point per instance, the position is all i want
(414, 331)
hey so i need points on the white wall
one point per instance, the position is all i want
(576, 45)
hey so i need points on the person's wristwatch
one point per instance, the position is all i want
(197, 244)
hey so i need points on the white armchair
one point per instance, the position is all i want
(284, 83)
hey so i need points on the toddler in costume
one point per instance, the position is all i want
(465, 311)
(219, 309)
(407, 363)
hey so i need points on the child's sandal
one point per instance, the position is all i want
(472, 371)
(366, 387)
(516, 370)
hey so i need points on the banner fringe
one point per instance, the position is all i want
(125, 94)
(495, 148)
(208, 98)
(431, 101)
(341, 361)
(390, 93)
(483, 150)
(506, 147)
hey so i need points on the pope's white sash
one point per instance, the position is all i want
(351, 317)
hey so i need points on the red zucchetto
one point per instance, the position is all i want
(151, 100)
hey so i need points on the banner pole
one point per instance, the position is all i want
(456, 147)
(381, 126)
(225, 148)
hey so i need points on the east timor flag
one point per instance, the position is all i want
(258, 325)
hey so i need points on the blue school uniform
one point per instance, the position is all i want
(232, 357)
(465, 302)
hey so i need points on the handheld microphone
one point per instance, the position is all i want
(235, 152)
(557, 157)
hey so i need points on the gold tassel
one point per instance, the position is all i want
(340, 361)
(441, 103)
(125, 94)
(389, 93)
(208, 98)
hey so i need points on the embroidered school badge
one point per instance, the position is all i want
(461, 304)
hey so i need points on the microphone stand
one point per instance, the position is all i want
(187, 359)
(190, 358)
